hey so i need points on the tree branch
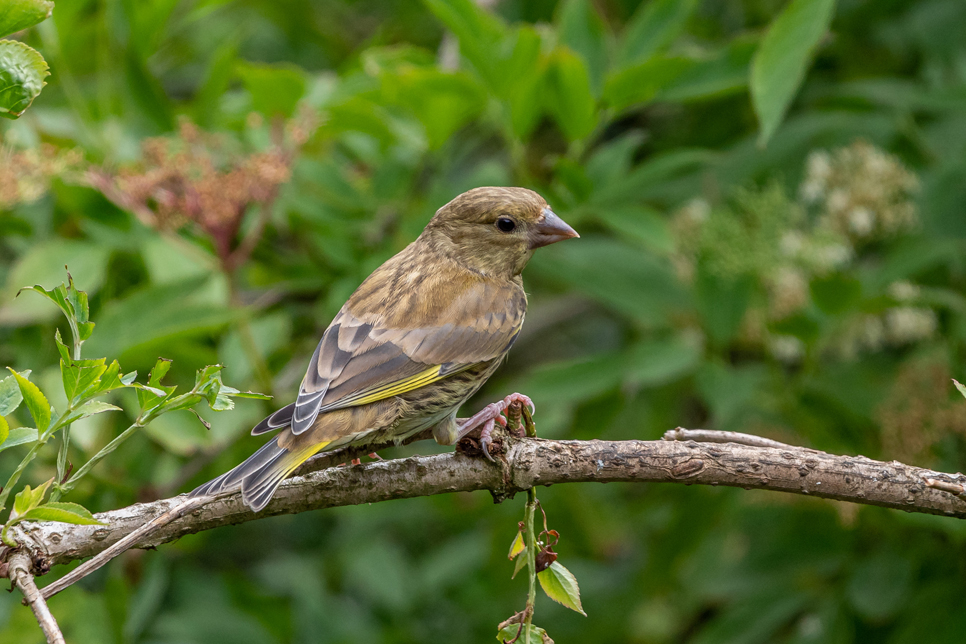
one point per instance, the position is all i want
(19, 571)
(529, 462)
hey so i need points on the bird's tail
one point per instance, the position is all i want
(260, 475)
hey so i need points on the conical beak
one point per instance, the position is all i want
(549, 230)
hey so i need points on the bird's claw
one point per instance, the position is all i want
(519, 398)
(486, 438)
(491, 415)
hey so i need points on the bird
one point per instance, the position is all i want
(418, 337)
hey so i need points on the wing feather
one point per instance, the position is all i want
(368, 355)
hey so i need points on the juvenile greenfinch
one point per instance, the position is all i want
(414, 342)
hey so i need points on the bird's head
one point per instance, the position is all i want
(494, 231)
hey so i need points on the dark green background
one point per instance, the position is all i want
(642, 325)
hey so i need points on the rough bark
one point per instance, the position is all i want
(530, 462)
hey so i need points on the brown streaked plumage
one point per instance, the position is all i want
(416, 339)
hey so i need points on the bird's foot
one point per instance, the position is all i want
(487, 418)
(358, 461)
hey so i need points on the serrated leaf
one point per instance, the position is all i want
(20, 436)
(960, 387)
(22, 74)
(57, 295)
(157, 373)
(517, 546)
(81, 375)
(16, 15)
(254, 395)
(222, 403)
(35, 400)
(27, 499)
(783, 57)
(10, 396)
(78, 301)
(62, 348)
(4, 431)
(89, 409)
(62, 512)
(108, 380)
(561, 586)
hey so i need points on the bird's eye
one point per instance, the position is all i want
(506, 224)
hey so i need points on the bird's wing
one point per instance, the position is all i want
(364, 357)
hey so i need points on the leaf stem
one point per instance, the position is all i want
(12, 481)
(59, 490)
(107, 449)
(531, 552)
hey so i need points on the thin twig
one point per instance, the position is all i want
(715, 436)
(19, 572)
(105, 556)
(953, 488)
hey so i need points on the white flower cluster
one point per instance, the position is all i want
(863, 192)
(897, 326)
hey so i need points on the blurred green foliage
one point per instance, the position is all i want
(221, 175)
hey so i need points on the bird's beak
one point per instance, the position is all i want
(550, 229)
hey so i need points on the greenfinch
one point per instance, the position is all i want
(413, 343)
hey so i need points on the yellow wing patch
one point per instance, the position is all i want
(396, 388)
(390, 389)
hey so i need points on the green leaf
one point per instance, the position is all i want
(275, 89)
(62, 349)
(4, 431)
(21, 14)
(250, 394)
(722, 303)
(78, 302)
(836, 294)
(561, 586)
(10, 396)
(57, 295)
(960, 387)
(28, 499)
(22, 74)
(880, 585)
(480, 35)
(521, 561)
(653, 27)
(89, 409)
(442, 102)
(537, 634)
(153, 314)
(568, 96)
(20, 436)
(36, 402)
(161, 367)
(783, 57)
(63, 512)
(638, 84)
(80, 375)
(581, 29)
(522, 73)
(43, 263)
(517, 546)
(724, 72)
(651, 364)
